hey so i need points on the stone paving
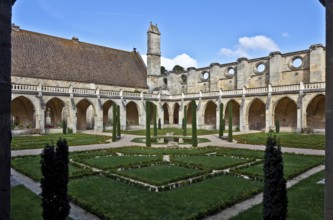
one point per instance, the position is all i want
(78, 213)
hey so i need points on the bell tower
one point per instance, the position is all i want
(153, 51)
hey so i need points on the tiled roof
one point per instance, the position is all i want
(41, 56)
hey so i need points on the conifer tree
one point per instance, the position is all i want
(114, 122)
(148, 141)
(221, 121)
(64, 126)
(275, 201)
(118, 123)
(185, 122)
(155, 121)
(277, 126)
(230, 122)
(159, 124)
(48, 186)
(194, 125)
(61, 175)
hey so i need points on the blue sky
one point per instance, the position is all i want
(194, 32)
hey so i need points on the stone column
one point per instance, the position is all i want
(299, 120)
(329, 111)
(243, 125)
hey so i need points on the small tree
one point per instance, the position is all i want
(277, 126)
(148, 141)
(118, 122)
(275, 199)
(64, 126)
(47, 183)
(54, 167)
(178, 69)
(155, 121)
(185, 122)
(159, 124)
(61, 175)
(194, 125)
(230, 122)
(114, 122)
(221, 121)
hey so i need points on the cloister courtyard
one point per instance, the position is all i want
(126, 180)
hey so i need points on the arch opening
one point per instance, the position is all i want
(257, 115)
(85, 113)
(210, 114)
(176, 114)
(286, 113)
(22, 113)
(55, 113)
(315, 113)
(166, 113)
(132, 114)
(235, 114)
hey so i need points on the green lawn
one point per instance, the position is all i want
(110, 162)
(293, 165)
(24, 204)
(177, 131)
(31, 167)
(305, 201)
(165, 151)
(33, 142)
(159, 174)
(210, 162)
(110, 199)
(311, 141)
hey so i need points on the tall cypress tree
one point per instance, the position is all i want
(194, 125)
(159, 124)
(148, 141)
(48, 186)
(155, 121)
(118, 122)
(221, 127)
(61, 175)
(185, 122)
(230, 122)
(277, 126)
(114, 122)
(275, 201)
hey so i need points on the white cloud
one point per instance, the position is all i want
(183, 60)
(249, 45)
(285, 34)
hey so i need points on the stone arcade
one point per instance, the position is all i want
(55, 79)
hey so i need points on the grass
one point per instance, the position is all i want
(109, 162)
(110, 199)
(31, 167)
(165, 151)
(210, 162)
(177, 131)
(293, 165)
(34, 142)
(309, 141)
(159, 174)
(24, 204)
(305, 201)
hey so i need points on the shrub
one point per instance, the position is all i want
(155, 124)
(230, 122)
(69, 130)
(114, 124)
(185, 122)
(159, 124)
(277, 126)
(275, 191)
(194, 125)
(221, 121)
(118, 122)
(64, 126)
(148, 141)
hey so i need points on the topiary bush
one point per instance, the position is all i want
(185, 122)
(155, 123)
(275, 201)
(114, 123)
(277, 126)
(221, 129)
(148, 141)
(230, 122)
(64, 126)
(118, 123)
(194, 125)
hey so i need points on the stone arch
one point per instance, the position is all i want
(210, 113)
(166, 111)
(107, 112)
(54, 112)
(23, 113)
(315, 113)
(132, 114)
(176, 113)
(286, 113)
(189, 113)
(257, 115)
(85, 113)
(235, 114)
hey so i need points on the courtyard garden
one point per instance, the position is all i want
(165, 183)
